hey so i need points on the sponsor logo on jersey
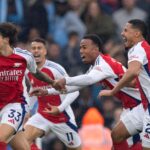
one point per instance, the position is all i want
(10, 75)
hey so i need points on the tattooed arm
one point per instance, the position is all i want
(43, 77)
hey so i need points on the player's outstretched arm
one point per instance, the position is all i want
(38, 92)
(92, 77)
(43, 77)
(52, 91)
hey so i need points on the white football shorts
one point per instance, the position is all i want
(133, 120)
(66, 132)
(13, 114)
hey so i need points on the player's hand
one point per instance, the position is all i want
(38, 92)
(105, 93)
(51, 109)
(60, 84)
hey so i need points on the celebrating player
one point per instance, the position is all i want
(13, 63)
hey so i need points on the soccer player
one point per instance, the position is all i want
(62, 125)
(103, 69)
(13, 63)
(134, 35)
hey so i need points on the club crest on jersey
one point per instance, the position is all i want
(16, 65)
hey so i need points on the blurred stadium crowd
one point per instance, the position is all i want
(63, 23)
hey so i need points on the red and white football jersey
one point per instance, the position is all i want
(130, 97)
(141, 52)
(12, 75)
(55, 71)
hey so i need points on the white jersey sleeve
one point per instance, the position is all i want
(137, 53)
(31, 64)
(57, 70)
(96, 74)
(68, 100)
(74, 93)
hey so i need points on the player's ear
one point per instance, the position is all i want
(6, 39)
(45, 52)
(137, 33)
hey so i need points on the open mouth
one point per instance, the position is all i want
(124, 39)
(37, 57)
(82, 57)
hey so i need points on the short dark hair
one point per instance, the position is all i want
(11, 31)
(140, 25)
(95, 39)
(39, 40)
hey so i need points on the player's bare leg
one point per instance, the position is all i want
(31, 133)
(19, 142)
(119, 135)
(6, 131)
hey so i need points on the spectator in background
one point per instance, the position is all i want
(32, 34)
(93, 134)
(115, 48)
(65, 21)
(26, 38)
(54, 52)
(116, 115)
(98, 22)
(71, 56)
(144, 4)
(49, 6)
(85, 101)
(109, 105)
(37, 18)
(127, 12)
(12, 11)
(109, 6)
(77, 6)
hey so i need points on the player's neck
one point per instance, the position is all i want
(138, 40)
(6, 51)
(40, 65)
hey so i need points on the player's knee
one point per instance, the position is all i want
(24, 147)
(3, 139)
(29, 141)
(27, 147)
